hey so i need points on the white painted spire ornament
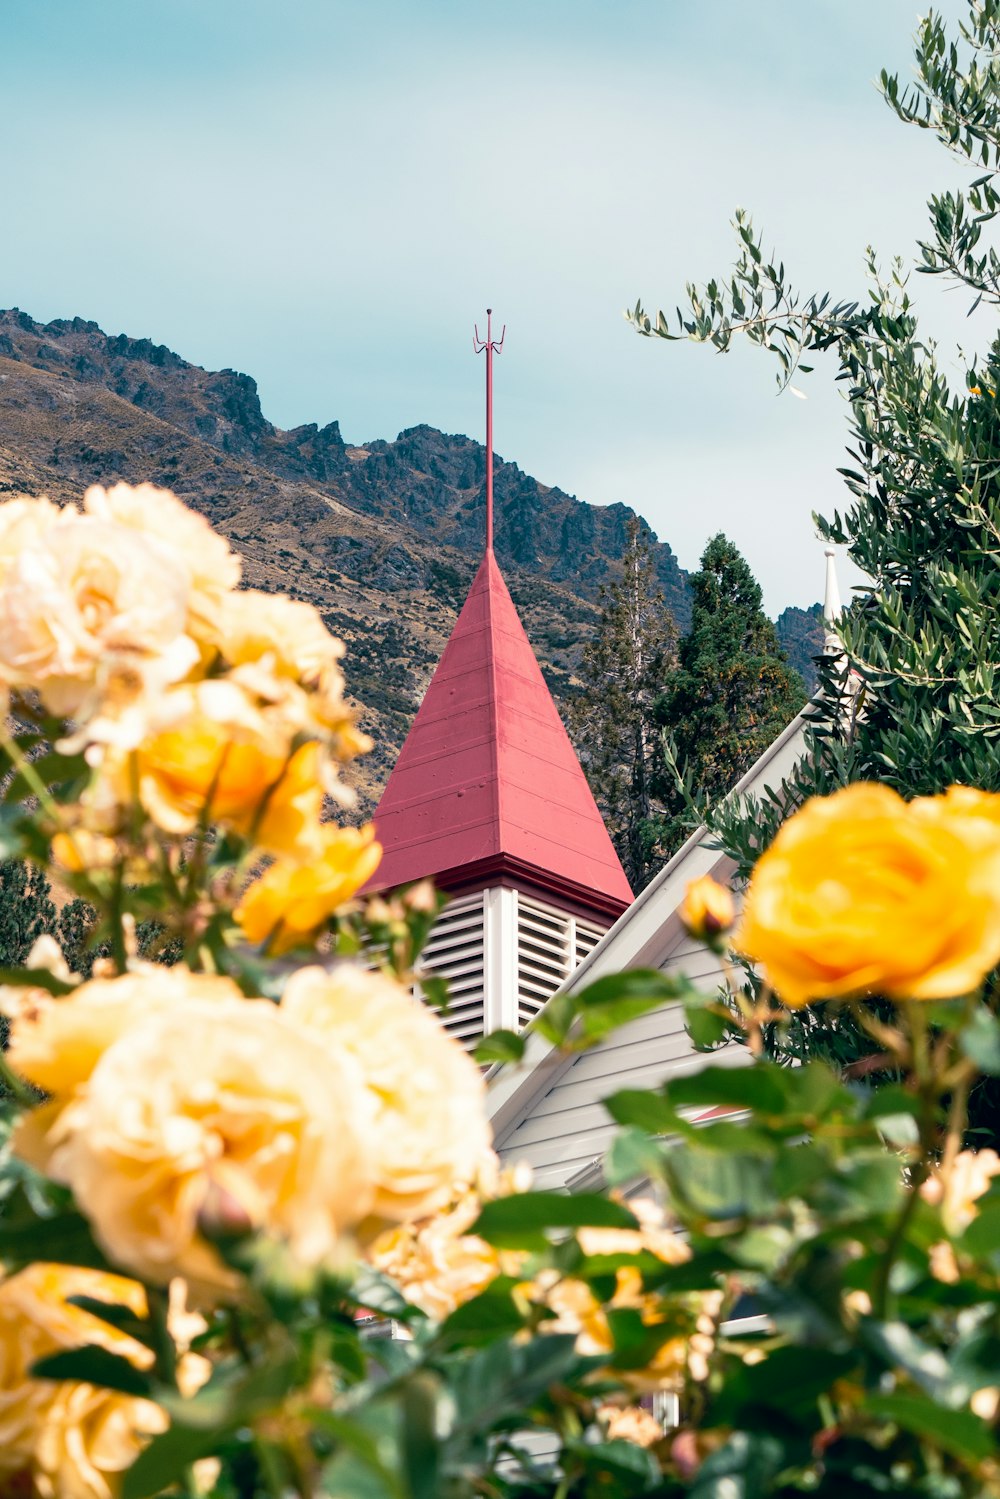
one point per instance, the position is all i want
(832, 606)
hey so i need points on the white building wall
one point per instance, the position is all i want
(567, 1128)
(548, 1110)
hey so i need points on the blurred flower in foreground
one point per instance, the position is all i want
(429, 1128)
(707, 909)
(67, 1439)
(293, 900)
(861, 893)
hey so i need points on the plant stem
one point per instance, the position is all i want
(158, 1302)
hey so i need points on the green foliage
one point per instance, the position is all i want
(624, 669)
(913, 701)
(730, 696)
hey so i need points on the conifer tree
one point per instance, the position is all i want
(26, 910)
(732, 692)
(913, 701)
(624, 670)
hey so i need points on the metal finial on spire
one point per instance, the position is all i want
(479, 344)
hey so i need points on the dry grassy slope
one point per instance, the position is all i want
(60, 433)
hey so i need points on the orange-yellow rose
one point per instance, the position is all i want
(217, 757)
(66, 1439)
(861, 893)
(292, 901)
(429, 1130)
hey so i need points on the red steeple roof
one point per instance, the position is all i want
(487, 788)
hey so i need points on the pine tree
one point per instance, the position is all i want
(624, 669)
(913, 700)
(26, 910)
(732, 692)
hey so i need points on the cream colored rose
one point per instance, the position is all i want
(90, 601)
(67, 1439)
(183, 536)
(207, 1101)
(429, 1129)
(23, 523)
(438, 1265)
(286, 636)
(630, 1423)
(958, 1192)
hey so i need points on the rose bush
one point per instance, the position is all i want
(797, 1276)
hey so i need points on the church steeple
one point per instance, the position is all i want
(489, 800)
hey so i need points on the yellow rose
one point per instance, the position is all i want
(630, 1423)
(67, 1439)
(429, 1129)
(280, 649)
(57, 1043)
(87, 601)
(707, 908)
(438, 1265)
(970, 1177)
(217, 757)
(862, 894)
(180, 535)
(292, 901)
(287, 635)
(206, 1100)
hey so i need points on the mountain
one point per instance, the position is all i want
(801, 634)
(382, 537)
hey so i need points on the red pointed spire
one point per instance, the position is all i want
(487, 786)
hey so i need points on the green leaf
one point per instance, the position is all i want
(375, 1292)
(632, 1156)
(643, 1109)
(163, 1462)
(94, 1365)
(706, 1025)
(957, 1431)
(613, 1001)
(64, 1239)
(523, 1219)
(491, 1314)
(501, 1046)
(980, 1041)
(36, 978)
(760, 1087)
(744, 1468)
(420, 1447)
(616, 1468)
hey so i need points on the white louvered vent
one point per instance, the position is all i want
(550, 945)
(544, 954)
(455, 951)
(503, 955)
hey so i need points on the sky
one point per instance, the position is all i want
(327, 194)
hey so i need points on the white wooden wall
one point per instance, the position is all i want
(567, 1128)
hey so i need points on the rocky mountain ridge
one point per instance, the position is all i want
(383, 537)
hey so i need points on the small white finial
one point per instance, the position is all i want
(832, 606)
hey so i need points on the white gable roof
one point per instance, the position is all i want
(546, 1108)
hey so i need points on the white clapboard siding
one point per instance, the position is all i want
(548, 1111)
(568, 1127)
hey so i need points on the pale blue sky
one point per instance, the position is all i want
(327, 193)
